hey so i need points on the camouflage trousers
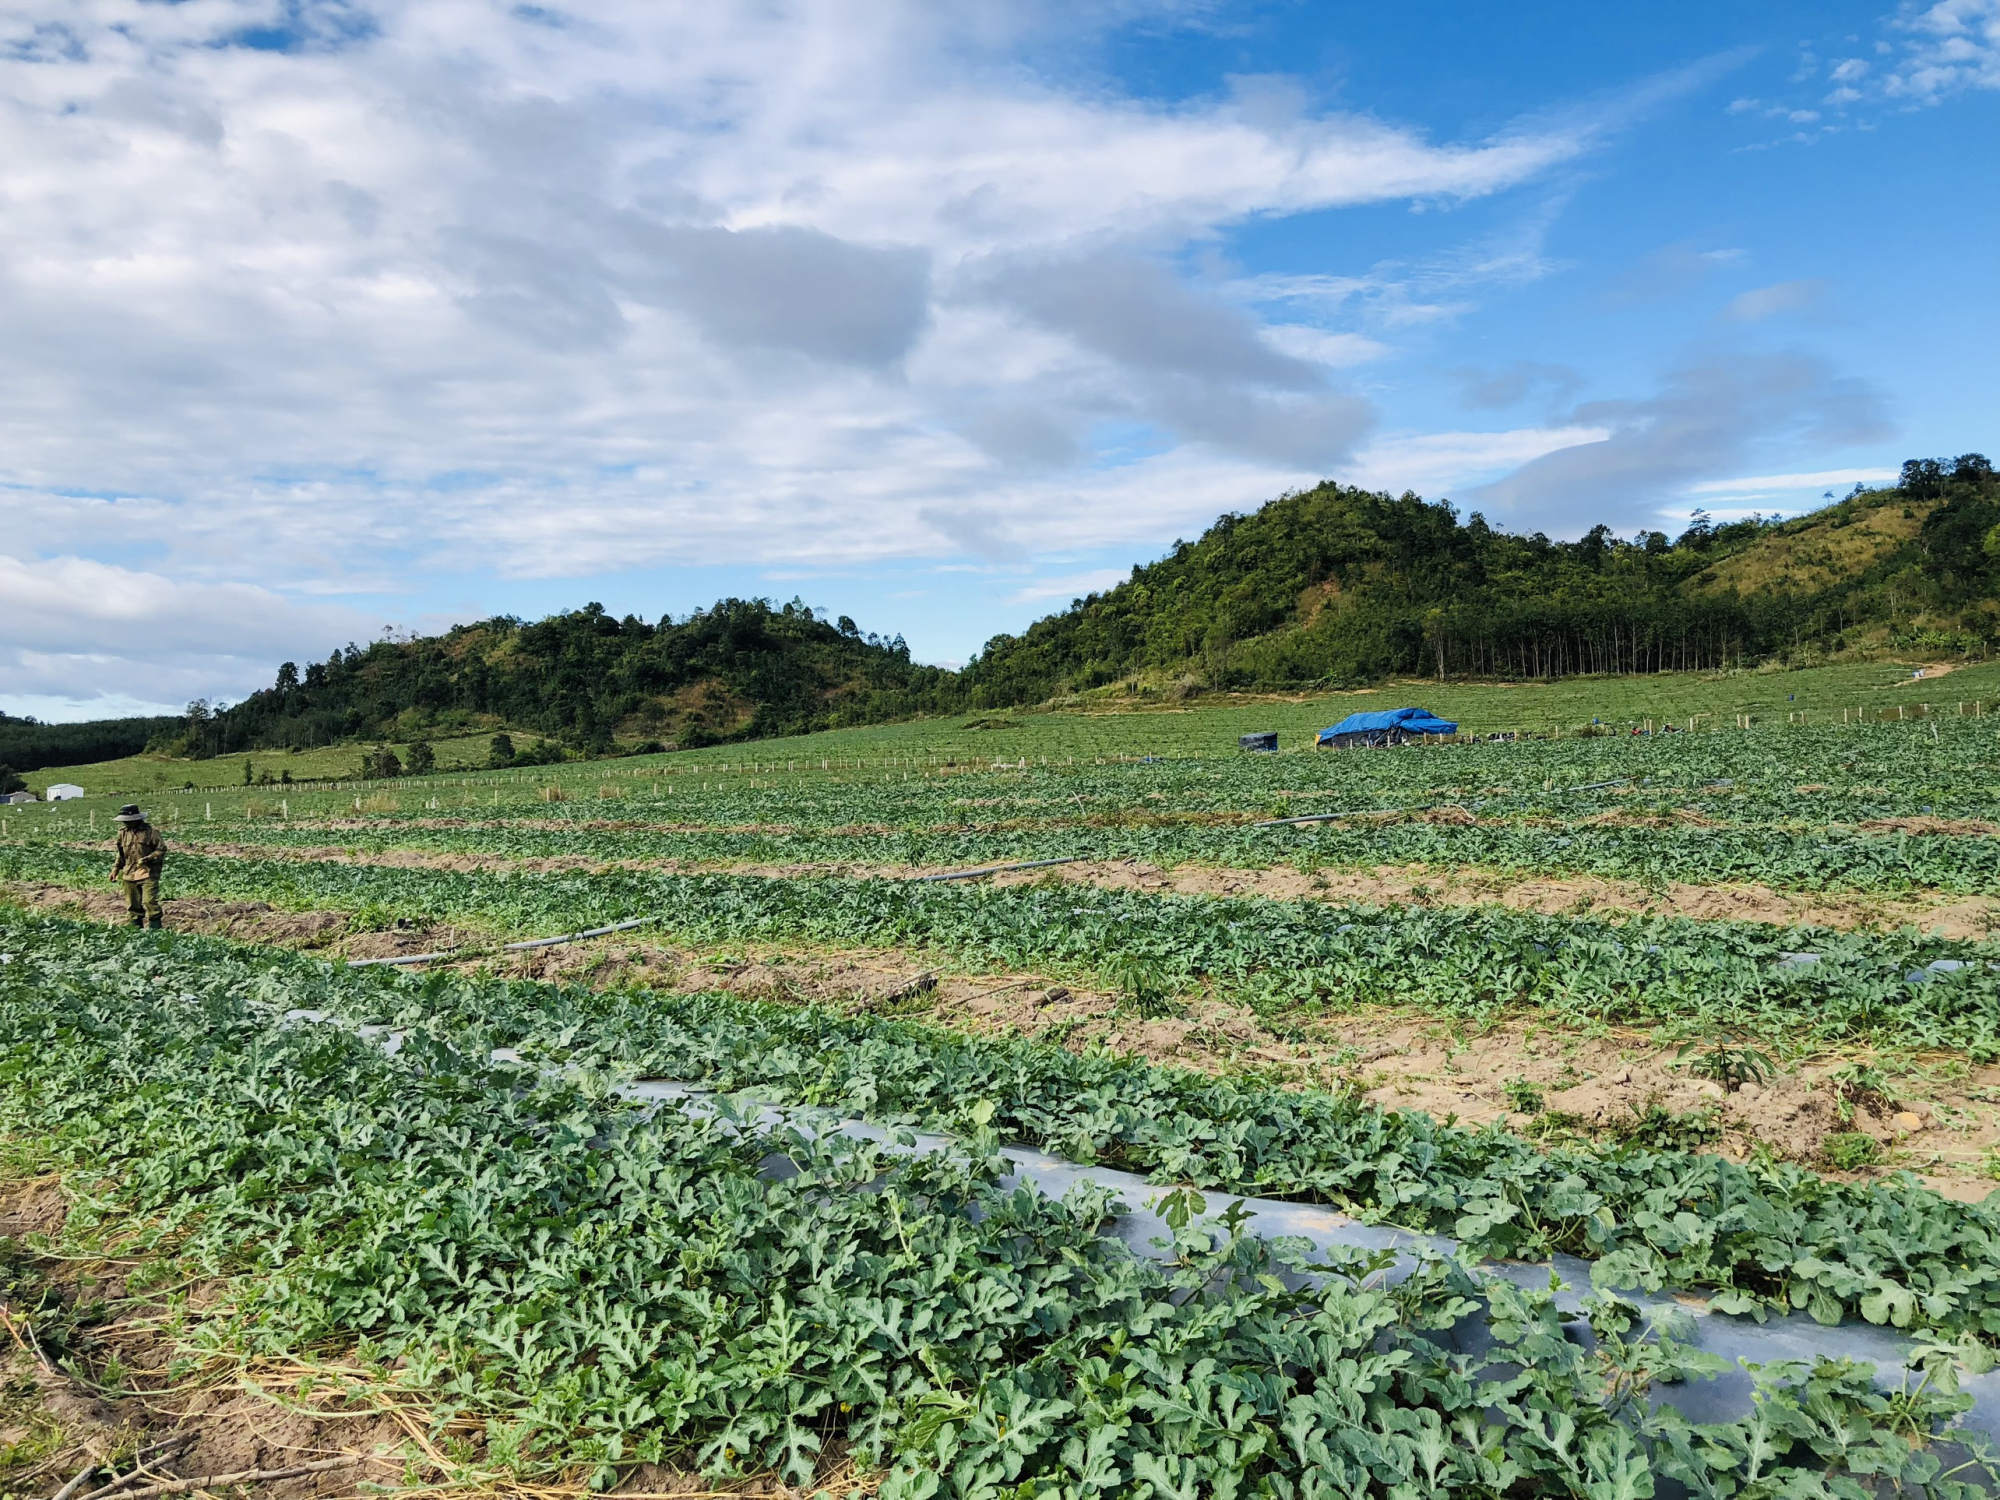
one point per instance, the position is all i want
(142, 901)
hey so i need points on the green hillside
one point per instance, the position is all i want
(587, 680)
(1337, 586)
(1326, 590)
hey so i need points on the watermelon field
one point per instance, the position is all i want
(1706, 1021)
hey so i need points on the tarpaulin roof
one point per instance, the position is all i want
(1409, 720)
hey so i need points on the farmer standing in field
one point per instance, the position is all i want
(141, 853)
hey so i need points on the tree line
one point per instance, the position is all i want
(1332, 586)
(27, 744)
(586, 680)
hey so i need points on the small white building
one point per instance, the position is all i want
(62, 791)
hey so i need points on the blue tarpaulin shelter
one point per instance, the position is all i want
(1390, 726)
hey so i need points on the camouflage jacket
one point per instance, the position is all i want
(141, 852)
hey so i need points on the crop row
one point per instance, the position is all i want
(605, 1288)
(1880, 771)
(1793, 778)
(1761, 1235)
(1819, 860)
(1805, 984)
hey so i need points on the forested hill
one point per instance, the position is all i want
(1329, 587)
(1338, 585)
(27, 744)
(741, 669)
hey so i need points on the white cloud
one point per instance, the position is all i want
(1439, 463)
(1765, 483)
(1395, 295)
(1669, 271)
(1076, 586)
(78, 632)
(1704, 420)
(459, 285)
(1954, 45)
(1492, 390)
(1928, 54)
(1773, 301)
(53, 708)
(1322, 346)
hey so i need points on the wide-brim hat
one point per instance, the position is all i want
(130, 813)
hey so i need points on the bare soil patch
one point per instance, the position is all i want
(249, 922)
(1385, 885)
(1403, 885)
(1926, 825)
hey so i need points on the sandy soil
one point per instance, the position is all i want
(1389, 885)
(1939, 1117)
(1929, 826)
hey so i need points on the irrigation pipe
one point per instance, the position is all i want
(405, 958)
(1376, 812)
(1027, 864)
(548, 942)
(1144, 1232)
(1357, 812)
(588, 932)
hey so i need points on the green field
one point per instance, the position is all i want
(1753, 1109)
(1113, 728)
(576, 1288)
(151, 774)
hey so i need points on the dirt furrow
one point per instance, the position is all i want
(1939, 1117)
(1386, 885)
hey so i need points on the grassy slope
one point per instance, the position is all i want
(1816, 551)
(1210, 726)
(153, 773)
(1207, 727)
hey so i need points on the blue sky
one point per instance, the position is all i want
(317, 320)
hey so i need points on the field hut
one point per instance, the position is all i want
(1392, 726)
(62, 791)
(13, 798)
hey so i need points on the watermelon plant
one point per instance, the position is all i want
(599, 1287)
(1783, 857)
(1695, 976)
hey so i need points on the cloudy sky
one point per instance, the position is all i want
(318, 319)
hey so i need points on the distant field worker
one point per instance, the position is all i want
(141, 853)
